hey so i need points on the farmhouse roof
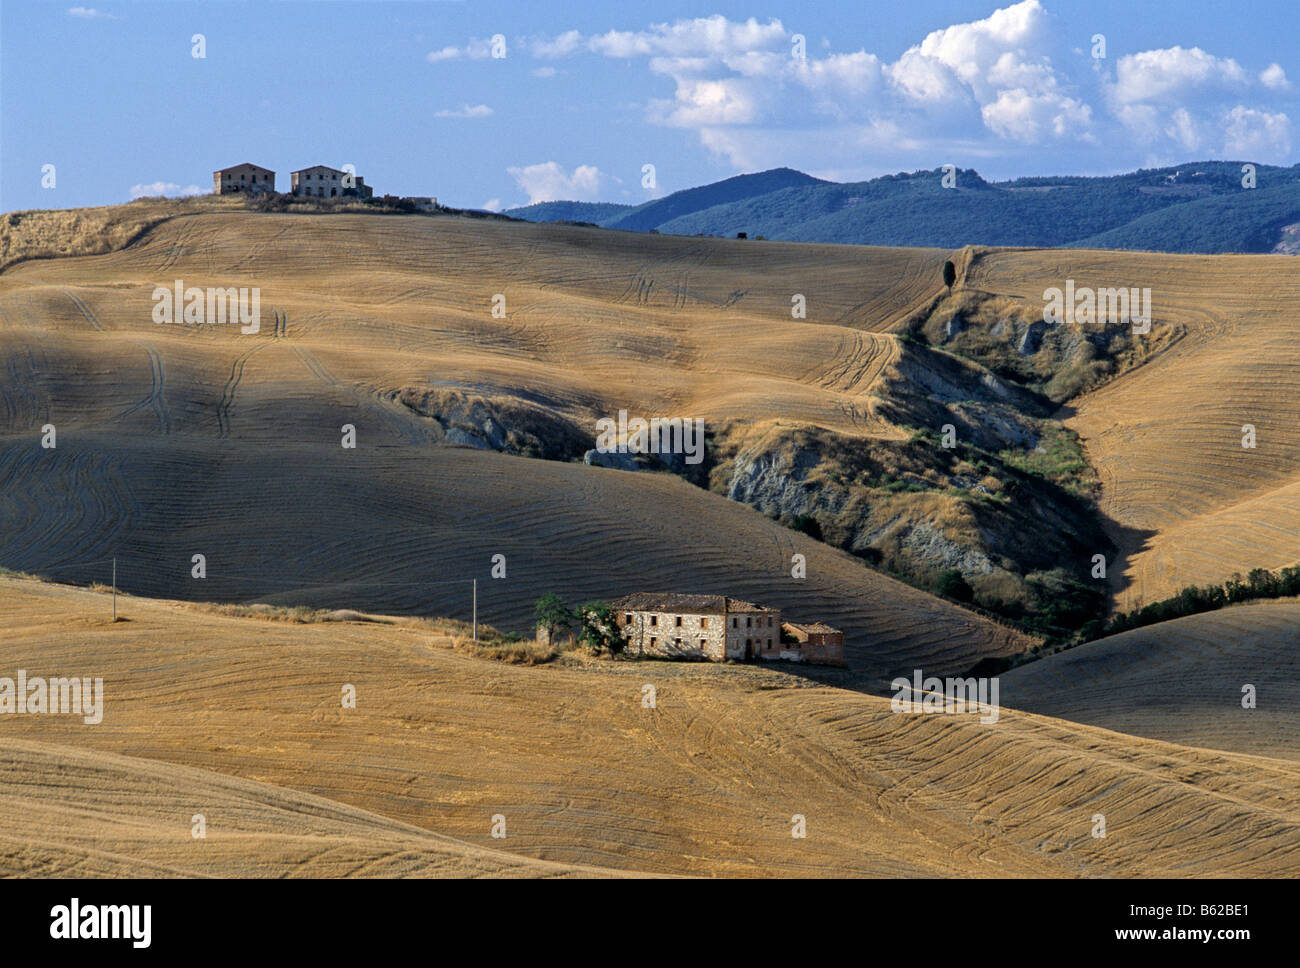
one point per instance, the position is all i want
(814, 628)
(679, 602)
(313, 167)
(242, 164)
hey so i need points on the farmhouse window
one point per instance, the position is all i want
(654, 619)
(704, 623)
(679, 621)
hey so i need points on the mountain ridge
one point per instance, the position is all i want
(1194, 208)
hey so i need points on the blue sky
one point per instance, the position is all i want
(588, 93)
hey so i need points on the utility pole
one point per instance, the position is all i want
(115, 588)
(476, 612)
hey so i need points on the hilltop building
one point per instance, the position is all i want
(248, 178)
(322, 181)
(716, 627)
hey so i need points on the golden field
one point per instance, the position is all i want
(240, 719)
(177, 440)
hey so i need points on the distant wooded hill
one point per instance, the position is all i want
(1196, 207)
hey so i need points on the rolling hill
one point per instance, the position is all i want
(69, 813)
(1186, 502)
(1199, 207)
(652, 214)
(180, 440)
(240, 719)
(1180, 681)
(177, 440)
(170, 434)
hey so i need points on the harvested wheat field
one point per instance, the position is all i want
(1181, 681)
(182, 440)
(707, 782)
(1166, 437)
(70, 813)
(593, 320)
(178, 440)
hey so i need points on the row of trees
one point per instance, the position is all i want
(597, 628)
(1259, 583)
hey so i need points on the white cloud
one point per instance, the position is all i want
(1174, 74)
(709, 103)
(476, 49)
(543, 72)
(1185, 101)
(1274, 77)
(970, 50)
(1248, 133)
(569, 42)
(163, 188)
(90, 13)
(547, 182)
(1032, 118)
(714, 36)
(924, 79)
(994, 88)
(466, 111)
(1186, 131)
(492, 205)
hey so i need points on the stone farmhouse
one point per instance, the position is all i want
(322, 181)
(247, 178)
(318, 181)
(716, 627)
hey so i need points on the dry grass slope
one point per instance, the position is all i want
(705, 783)
(177, 440)
(1181, 681)
(1167, 437)
(70, 813)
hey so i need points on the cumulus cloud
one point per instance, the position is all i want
(714, 36)
(992, 88)
(476, 49)
(548, 182)
(1250, 133)
(1020, 115)
(170, 189)
(466, 111)
(1174, 73)
(1189, 101)
(1274, 78)
(492, 205)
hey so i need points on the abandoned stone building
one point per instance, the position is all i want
(695, 626)
(322, 181)
(716, 627)
(247, 178)
(814, 642)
